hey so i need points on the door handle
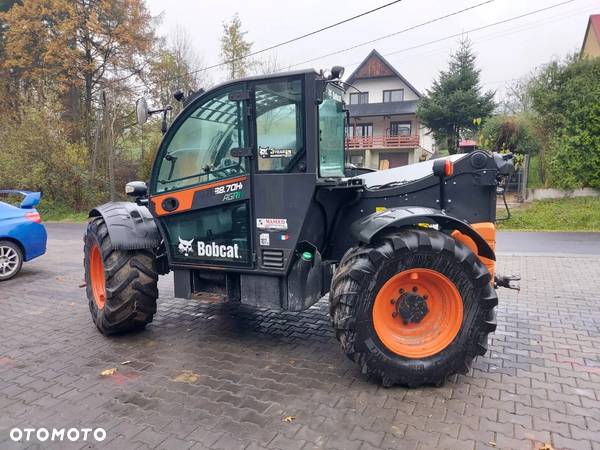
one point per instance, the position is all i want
(242, 152)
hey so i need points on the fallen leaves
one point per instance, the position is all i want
(108, 372)
(546, 446)
(187, 376)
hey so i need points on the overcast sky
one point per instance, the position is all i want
(505, 52)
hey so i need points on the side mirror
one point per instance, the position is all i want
(136, 189)
(337, 72)
(141, 111)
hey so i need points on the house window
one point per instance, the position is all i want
(395, 95)
(357, 160)
(363, 130)
(400, 128)
(359, 98)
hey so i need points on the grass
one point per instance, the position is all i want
(60, 213)
(534, 179)
(567, 214)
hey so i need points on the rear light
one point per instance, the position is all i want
(449, 168)
(34, 217)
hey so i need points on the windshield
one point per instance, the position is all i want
(200, 150)
(331, 127)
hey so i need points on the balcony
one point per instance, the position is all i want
(405, 141)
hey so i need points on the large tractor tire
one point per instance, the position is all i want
(121, 285)
(412, 308)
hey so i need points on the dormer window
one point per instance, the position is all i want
(395, 95)
(359, 98)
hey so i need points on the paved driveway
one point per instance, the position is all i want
(220, 377)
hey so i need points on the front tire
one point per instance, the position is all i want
(413, 308)
(121, 285)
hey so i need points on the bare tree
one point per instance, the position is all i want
(517, 98)
(175, 65)
(268, 65)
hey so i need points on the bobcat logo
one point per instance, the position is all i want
(264, 152)
(185, 247)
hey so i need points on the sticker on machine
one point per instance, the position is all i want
(270, 152)
(265, 239)
(272, 224)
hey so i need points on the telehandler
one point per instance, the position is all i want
(250, 199)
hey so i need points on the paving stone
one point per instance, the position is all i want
(254, 367)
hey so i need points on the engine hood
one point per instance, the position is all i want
(409, 173)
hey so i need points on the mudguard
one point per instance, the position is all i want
(130, 226)
(366, 228)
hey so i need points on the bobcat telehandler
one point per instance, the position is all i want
(250, 199)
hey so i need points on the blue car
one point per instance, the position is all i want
(22, 235)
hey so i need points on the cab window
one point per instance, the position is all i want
(332, 118)
(200, 150)
(279, 124)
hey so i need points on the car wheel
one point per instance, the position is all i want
(11, 260)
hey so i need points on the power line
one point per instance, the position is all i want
(486, 38)
(297, 38)
(493, 36)
(473, 30)
(429, 22)
(312, 33)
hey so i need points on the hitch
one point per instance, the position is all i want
(506, 281)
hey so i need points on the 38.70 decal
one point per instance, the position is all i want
(233, 187)
(231, 191)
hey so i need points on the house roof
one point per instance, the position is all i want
(594, 23)
(389, 71)
(467, 143)
(383, 109)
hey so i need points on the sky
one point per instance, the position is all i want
(505, 52)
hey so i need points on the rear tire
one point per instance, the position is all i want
(458, 281)
(121, 285)
(11, 260)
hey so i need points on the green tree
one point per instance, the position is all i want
(235, 48)
(566, 99)
(509, 133)
(456, 100)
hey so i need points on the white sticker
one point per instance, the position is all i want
(272, 224)
(265, 239)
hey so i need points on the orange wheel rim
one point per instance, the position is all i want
(417, 313)
(97, 277)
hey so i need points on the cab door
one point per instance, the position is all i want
(201, 183)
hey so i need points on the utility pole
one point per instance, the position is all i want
(107, 124)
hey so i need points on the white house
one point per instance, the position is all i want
(384, 131)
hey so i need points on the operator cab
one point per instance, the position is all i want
(235, 176)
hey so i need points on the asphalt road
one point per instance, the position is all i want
(509, 242)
